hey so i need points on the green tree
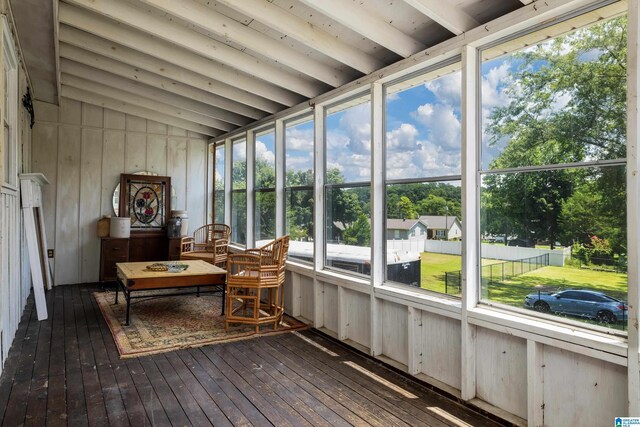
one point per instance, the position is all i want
(406, 208)
(359, 233)
(567, 103)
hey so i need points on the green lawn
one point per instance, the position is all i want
(434, 265)
(512, 291)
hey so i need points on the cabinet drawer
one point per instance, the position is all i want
(116, 246)
(112, 252)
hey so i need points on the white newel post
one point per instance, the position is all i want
(31, 191)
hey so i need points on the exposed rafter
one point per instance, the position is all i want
(146, 43)
(300, 30)
(132, 64)
(362, 21)
(124, 107)
(200, 44)
(76, 69)
(212, 21)
(445, 14)
(140, 101)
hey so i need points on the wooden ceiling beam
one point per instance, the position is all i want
(147, 43)
(209, 20)
(362, 21)
(200, 44)
(124, 107)
(77, 69)
(307, 34)
(109, 91)
(445, 14)
(138, 66)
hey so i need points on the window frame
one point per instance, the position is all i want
(293, 121)
(482, 170)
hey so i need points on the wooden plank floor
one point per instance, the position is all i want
(66, 371)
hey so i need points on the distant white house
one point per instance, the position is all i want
(434, 227)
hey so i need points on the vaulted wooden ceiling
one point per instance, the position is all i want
(213, 66)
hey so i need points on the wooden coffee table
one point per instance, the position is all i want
(134, 276)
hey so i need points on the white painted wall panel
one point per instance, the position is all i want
(358, 317)
(596, 391)
(441, 348)
(176, 169)
(92, 115)
(67, 242)
(394, 331)
(44, 160)
(157, 154)
(114, 120)
(113, 153)
(70, 112)
(84, 157)
(501, 367)
(196, 177)
(330, 300)
(306, 297)
(135, 155)
(90, 195)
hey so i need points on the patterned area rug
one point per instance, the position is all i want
(169, 323)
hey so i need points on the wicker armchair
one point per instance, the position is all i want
(209, 243)
(255, 280)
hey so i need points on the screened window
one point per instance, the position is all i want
(556, 107)
(347, 189)
(299, 195)
(239, 192)
(9, 114)
(265, 186)
(219, 185)
(423, 192)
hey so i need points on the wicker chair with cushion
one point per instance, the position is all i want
(209, 243)
(255, 280)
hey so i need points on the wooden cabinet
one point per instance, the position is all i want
(112, 250)
(174, 248)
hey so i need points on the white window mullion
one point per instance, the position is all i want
(470, 209)
(633, 205)
(228, 164)
(251, 172)
(378, 222)
(280, 178)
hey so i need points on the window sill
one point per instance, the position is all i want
(300, 268)
(421, 299)
(350, 282)
(599, 345)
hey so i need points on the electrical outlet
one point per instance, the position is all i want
(50, 253)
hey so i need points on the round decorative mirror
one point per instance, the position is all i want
(116, 193)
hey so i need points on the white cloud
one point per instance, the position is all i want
(263, 153)
(356, 123)
(299, 139)
(447, 89)
(443, 124)
(403, 138)
(494, 85)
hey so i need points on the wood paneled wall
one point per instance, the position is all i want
(82, 149)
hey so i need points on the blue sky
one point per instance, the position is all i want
(423, 135)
